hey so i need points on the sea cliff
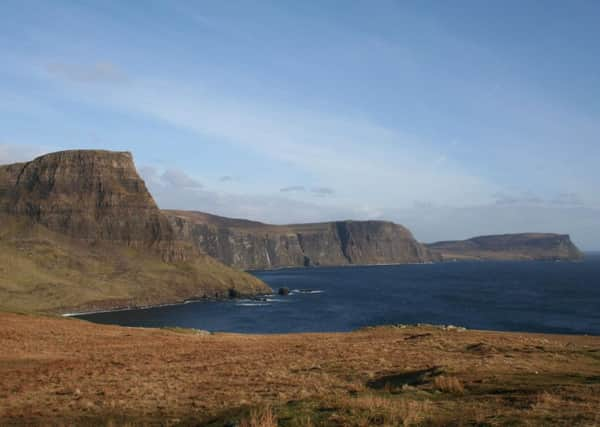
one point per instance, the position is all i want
(254, 245)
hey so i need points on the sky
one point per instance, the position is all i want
(454, 119)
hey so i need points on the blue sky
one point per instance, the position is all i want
(453, 118)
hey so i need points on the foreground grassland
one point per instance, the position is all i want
(66, 371)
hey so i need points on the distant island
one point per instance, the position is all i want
(79, 231)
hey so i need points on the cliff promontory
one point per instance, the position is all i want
(79, 229)
(88, 195)
(506, 247)
(254, 245)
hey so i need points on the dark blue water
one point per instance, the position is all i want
(556, 297)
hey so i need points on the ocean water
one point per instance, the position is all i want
(555, 297)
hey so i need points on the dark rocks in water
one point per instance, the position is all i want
(510, 247)
(283, 291)
(234, 293)
(251, 245)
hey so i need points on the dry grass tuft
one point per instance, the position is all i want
(387, 411)
(260, 417)
(546, 401)
(449, 384)
(304, 422)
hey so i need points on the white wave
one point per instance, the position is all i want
(252, 304)
(306, 291)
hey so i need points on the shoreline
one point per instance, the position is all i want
(148, 307)
(114, 310)
(439, 326)
(449, 261)
(314, 267)
(301, 268)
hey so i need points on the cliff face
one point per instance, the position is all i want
(253, 245)
(85, 194)
(526, 246)
(87, 215)
(89, 195)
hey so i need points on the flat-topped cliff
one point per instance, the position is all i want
(79, 229)
(524, 246)
(89, 195)
(253, 245)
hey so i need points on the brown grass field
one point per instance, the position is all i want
(58, 371)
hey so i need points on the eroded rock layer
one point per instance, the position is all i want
(88, 195)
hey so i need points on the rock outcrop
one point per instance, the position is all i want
(80, 229)
(253, 245)
(525, 246)
(89, 195)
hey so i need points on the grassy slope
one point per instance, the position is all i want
(70, 372)
(43, 271)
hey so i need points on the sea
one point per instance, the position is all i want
(535, 296)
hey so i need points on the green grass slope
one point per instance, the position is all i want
(42, 271)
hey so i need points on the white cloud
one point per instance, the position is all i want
(100, 72)
(293, 189)
(527, 198)
(274, 208)
(318, 191)
(14, 153)
(352, 153)
(180, 179)
(523, 198)
(567, 199)
(170, 179)
(267, 208)
(323, 191)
